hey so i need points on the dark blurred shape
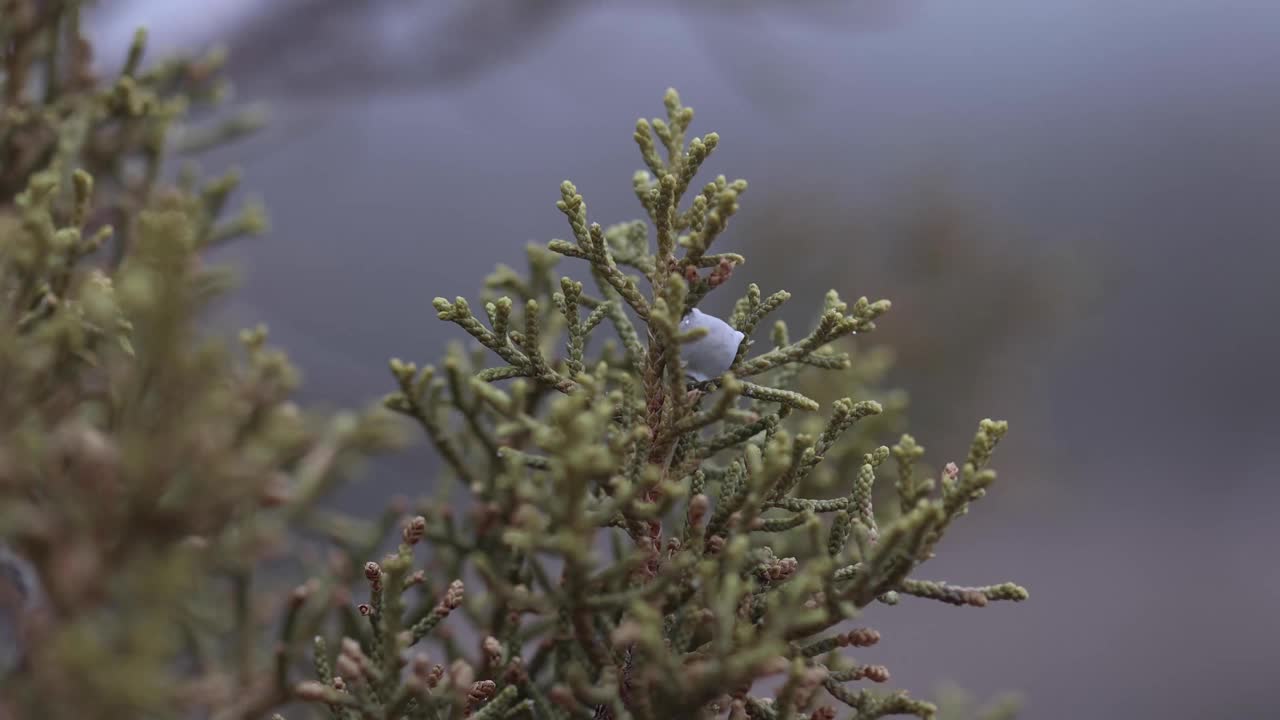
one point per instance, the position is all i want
(306, 49)
(331, 47)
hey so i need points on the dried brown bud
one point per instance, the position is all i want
(452, 598)
(876, 673)
(365, 609)
(721, 273)
(482, 690)
(414, 531)
(778, 569)
(826, 712)
(861, 637)
(372, 571)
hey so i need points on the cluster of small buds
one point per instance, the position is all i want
(876, 673)
(860, 637)
(849, 672)
(775, 570)
(951, 471)
(414, 530)
(721, 273)
(423, 671)
(715, 279)
(479, 693)
(451, 601)
(373, 572)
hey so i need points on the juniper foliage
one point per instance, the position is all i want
(642, 541)
(147, 472)
(627, 543)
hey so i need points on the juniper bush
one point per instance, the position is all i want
(645, 518)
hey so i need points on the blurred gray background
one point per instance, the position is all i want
(1074, 205)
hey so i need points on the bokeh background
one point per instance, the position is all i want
(1074, 205)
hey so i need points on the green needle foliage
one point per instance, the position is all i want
(643, 543)
(627, 543)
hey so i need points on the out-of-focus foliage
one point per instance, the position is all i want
(146, 473)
